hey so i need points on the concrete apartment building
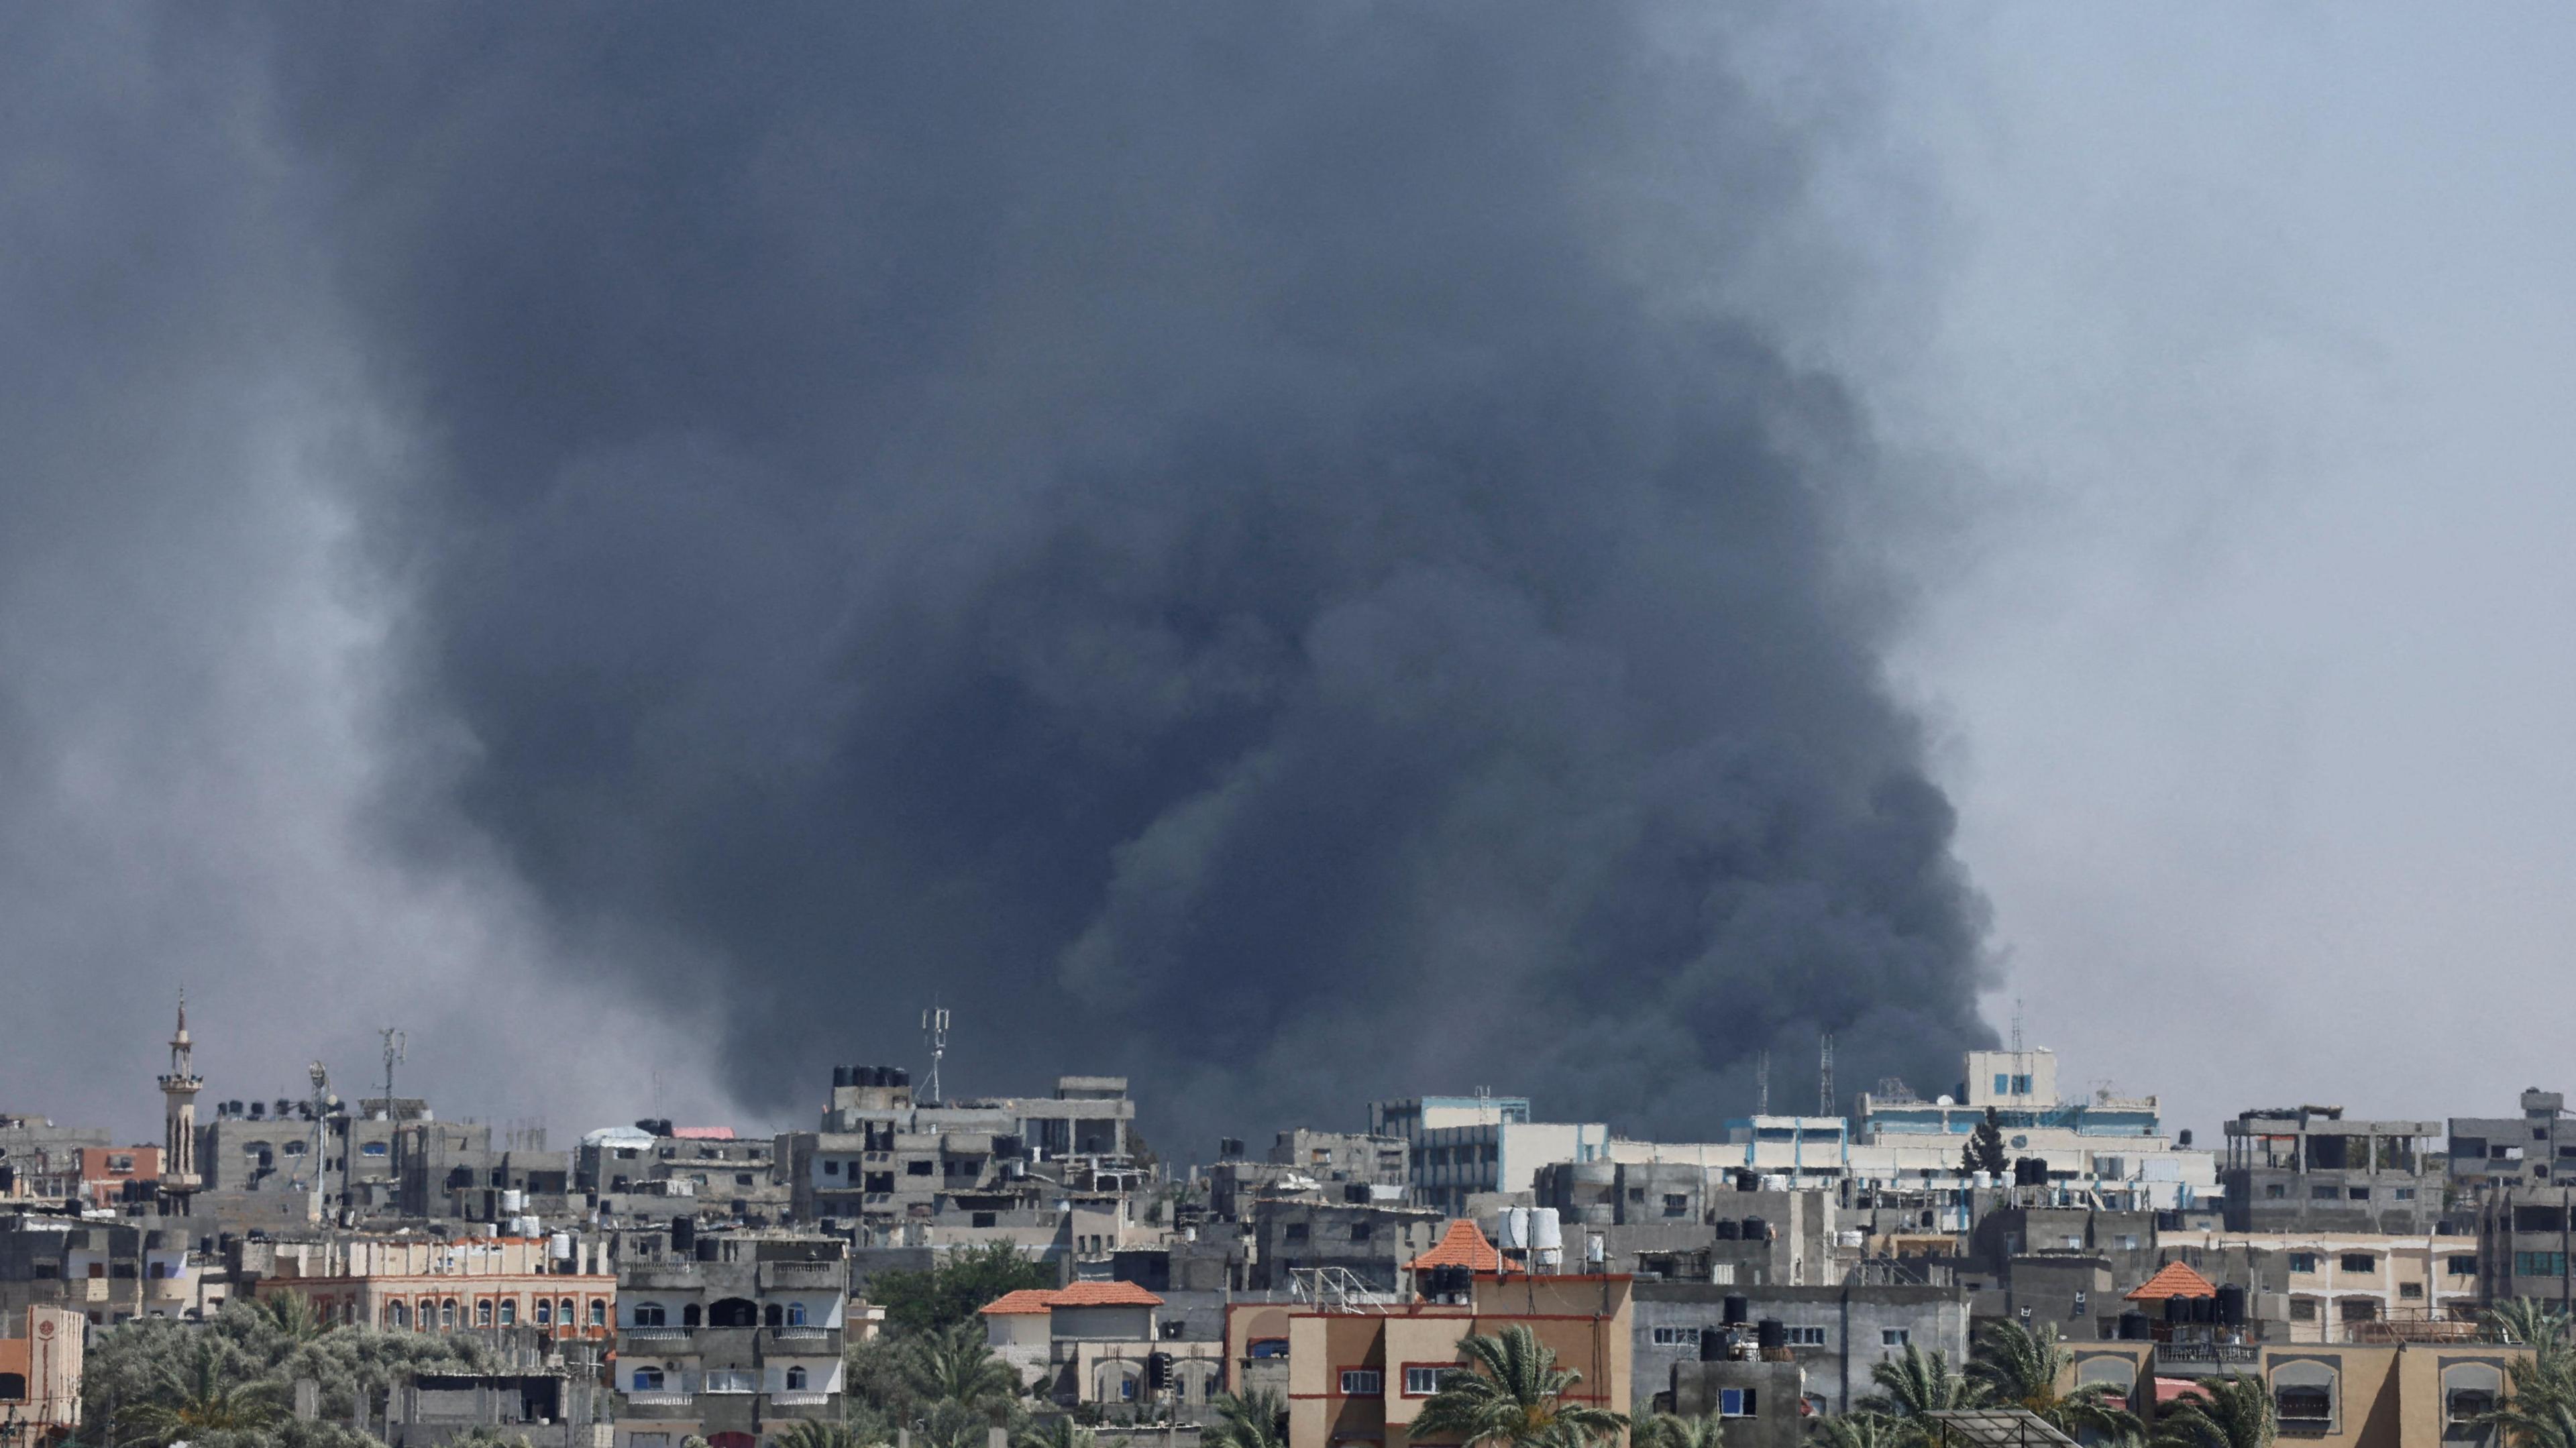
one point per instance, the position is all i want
(107, 1272)
(552, 1409)
(2524, 1243)
(1360, 1372)
(2307, 1169)
(552, 1287)
(654, 1170)
(2532, 1149)
(730, 1336)
(33, 1150)
(2353, 1395)
(1336, 1157)
(40, 1374)
(272, 1150)
(1369, 1241)
(1461, 1147)
(2324, 1287)
(1090, 1343)
(1834, 1334)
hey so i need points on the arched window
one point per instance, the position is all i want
(13, 1387)
(427, 1315)
(649, 1314)
(796, 1314)
(447, 1313)
(2469, 1392)
(398, 1315)
(545, 1312)
(689, 1315)
(563, 1312)
(774, 1315)
(2303, 1393)
(795, 1380)
(509, 1312)
(599, 1312)
(648, 1380)
(483, 1312)
(734, 1312)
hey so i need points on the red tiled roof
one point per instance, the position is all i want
(1026, 1300)
(1080, 1294)
(1461, 1246)
(2176, 1280)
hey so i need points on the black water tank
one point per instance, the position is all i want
(1736, 1310)
(1729, 1230)
(898, 1076)
(684, 1236)
(2185, 1138)
(1769, 1333)
(2231, 1305)
(2133, 1327)
(1712, 1344)
(1755, 1231)
(2177, 1309)
(1746, 1181)
(2204, 1309)
(840, 1077)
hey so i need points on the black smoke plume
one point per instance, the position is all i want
(1224, 544)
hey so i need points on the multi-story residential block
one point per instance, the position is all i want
(2310, 1170)
(1837, 1334)
(1093, 1343)
(2335, 1286)
(106, 1271)
(35, 1154)
(730, 1336)
(1370, 1242)
(553, 1287)
(2525, 1247)
(1335, 1157)
(2352, 1395)
(40, 1375)
(1467, 1146)
(559, 1408)
(255, 1156)
(105, 1178)
(2533, 1149)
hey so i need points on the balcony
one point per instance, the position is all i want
(666, 1276)
(800, 1339)
(800, 1400)
(659, 1399)
(657, 1334)
(812, 1276)
(2207, 1359)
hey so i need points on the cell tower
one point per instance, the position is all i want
(2016, 1026)
(1825, 1076)
(1762, 1083)
(394, 1041)
(934, 1024)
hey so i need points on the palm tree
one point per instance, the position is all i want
(1513, 1393)
(1862, 1429)
(957, 1366)
(1672, 1430)
(2530, 1321)
(807, 1433)
(1062, 1432)
(2228, 1412)
(2549, 1424)
(2018, 1367)
(291, 1316)
(1917, 1382)
(1253, 1420)
(202, 1394)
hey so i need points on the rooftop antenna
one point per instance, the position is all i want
(394, 1041)
(317, 1159)
(2016, 1025)
(1825, 1075)
(1762, 1080)
(934, 1023)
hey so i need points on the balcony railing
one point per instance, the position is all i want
(800, 1333)
(657, 1333)
(2209, 1357)
(800, 1399)
(803, 1274)
(659, 1399)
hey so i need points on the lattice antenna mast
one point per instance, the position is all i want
(934, 1024)
(394, 1041)
(1762, 1083)
(1825, 1076)
(2016, 1025)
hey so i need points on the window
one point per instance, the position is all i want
(2410, 1289)
(2275, 1190)
(1895, 1336)
(1676, 1204)
(742, 1179)
(563, 1311)
(398, 1314)
(2359, 1194)
(2021, 1086)
(1294, 1232)
(2403, 1194)
(1806, 1337)
(483, 1313)
(1362, 1382)
(1735, 1403)
(372, 1148)
(447, 1313)
(2303, 1261)
(1362, 1231)
(599, 1312)
(917, 1168)
(1269, 1347)
(796, 1314)
(2358, 1309)
(647, 1314)
(796, 1380)
(1637, 1195)
(2303, 1393)
(2358, 1262)
(2539, 1264)
(2003, 1084)
(2467, 1405)
(1422, 1382)
(831, 1166)
(2461, 1266)
(648, 1380)
(2303, 1309)
(545, 1312)
(731, 1380)
(510, 1313)
(2321, 1193)
(1677, 1337)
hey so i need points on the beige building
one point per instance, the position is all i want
(40, 1376)
(2323, 1287)
(1092, 1342)
(2346, 1395)
(561, 1287)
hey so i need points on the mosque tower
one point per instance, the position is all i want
(179, 1090)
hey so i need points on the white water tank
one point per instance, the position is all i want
(524, 1227)
(561, 1247)
(1546, 1233)
(513, 1202)
(1514, 1229)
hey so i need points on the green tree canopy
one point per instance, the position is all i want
(956, 1288)
(1514, 1394)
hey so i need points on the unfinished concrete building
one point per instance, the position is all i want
(2309, 1169)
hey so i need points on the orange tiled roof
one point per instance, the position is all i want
(2176, 1280)
(1080, 1294)
(1461, 1246)
(1027, 1299)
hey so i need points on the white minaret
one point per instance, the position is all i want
(179, 1119)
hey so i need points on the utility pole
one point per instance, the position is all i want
(394, 1041)
(934, 1024)
(1762, 1079)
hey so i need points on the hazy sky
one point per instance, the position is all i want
(2216, 359)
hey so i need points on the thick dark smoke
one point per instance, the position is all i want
(1221, 544)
